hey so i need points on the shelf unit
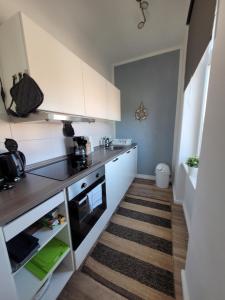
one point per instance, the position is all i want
(44, 235)
(25, 285)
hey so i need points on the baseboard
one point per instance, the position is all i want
(143, 176)
(187, 218)
(184, 285)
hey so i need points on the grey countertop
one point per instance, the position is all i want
(33, 190)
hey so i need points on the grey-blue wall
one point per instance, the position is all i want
(154, 82)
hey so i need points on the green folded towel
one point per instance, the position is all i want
(46, 258)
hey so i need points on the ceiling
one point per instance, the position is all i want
(110, 25)
(113, 25)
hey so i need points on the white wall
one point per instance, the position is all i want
(205, 267)
(191, 124)
(41, 141)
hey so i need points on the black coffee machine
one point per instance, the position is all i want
(12, 163)
(80, 148)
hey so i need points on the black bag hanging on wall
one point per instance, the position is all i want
(26, 95)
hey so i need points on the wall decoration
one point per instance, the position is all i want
(141, 113)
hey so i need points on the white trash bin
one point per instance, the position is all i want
(162, 172)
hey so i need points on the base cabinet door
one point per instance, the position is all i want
(114, 185)
(120, 173)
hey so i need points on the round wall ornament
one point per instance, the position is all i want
(141, 113)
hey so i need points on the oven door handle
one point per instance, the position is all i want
(82, 200)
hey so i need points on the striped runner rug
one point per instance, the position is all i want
(134, 254)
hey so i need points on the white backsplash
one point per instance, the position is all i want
(45, 140)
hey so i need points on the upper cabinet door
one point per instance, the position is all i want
(95, 93)
(57, 70)
(12, 52)
(113, 102)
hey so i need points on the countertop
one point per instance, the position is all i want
(33, 190)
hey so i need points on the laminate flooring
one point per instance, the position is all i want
(140, 254)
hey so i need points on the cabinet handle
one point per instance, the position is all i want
(115, 159)
(128, 152)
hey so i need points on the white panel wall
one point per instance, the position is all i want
(194, 97)
(205, 266)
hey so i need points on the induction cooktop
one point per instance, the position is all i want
(63, 169)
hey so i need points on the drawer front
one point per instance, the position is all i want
(27, 219)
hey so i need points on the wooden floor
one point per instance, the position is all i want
(82, 286)
(180, 240)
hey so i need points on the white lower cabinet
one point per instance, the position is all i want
(114, 182)
(120, 173)
(22, 285)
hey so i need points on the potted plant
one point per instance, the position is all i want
(192, 163)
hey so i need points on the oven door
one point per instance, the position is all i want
(85, 210)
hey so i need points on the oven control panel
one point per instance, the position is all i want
(79, 186)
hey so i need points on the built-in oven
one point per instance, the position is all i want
(87, 202)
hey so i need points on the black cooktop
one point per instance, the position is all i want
(63, 169)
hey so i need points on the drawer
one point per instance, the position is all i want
(27, 219)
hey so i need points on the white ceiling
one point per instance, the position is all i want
(111, 25)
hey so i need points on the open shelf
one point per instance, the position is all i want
(27, 284)
(44, 235)
(59, 279)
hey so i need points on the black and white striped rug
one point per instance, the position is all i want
(134, 254)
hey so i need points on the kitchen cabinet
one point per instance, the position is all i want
(69, 85)
(114, 182)
(113, 102)
(120, 173)
(94, 93)
(22, 284)
(56, 69)
(58, 72)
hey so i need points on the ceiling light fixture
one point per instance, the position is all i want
(143, 6)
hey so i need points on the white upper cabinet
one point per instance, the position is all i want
(69, 85)
(12, 52)
(113, 102)
(95, 93)
(56, 69)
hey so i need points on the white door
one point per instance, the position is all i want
(95, 93)
(113, 102)
(57, 70)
